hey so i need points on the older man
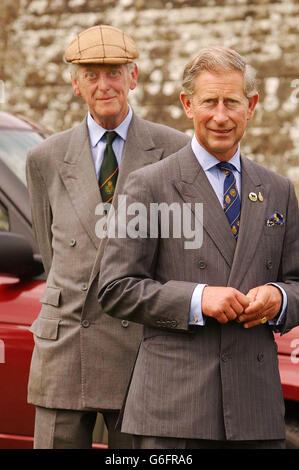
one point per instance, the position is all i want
(82, 358)
(206, 374)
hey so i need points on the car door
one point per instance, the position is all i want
(19, 305)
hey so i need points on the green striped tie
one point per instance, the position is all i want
(109, 170)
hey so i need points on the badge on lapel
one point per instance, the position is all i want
(275, 219)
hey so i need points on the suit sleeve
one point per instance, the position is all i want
(40, 211)
(289, 270)
(127, 285)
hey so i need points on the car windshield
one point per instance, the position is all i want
(14, 145)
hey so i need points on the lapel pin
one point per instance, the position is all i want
(252, 197)
(260, 197)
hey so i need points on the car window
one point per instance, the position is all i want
(4, 222)
(14, 145)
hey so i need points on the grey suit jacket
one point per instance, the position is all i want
(220, 380)
(82, 357)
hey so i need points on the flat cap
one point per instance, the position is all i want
(101, 45)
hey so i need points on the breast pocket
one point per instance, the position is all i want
(274, 231)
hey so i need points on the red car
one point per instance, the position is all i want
(22, 284)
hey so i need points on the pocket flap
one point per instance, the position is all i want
(45, 328)
(51, 296)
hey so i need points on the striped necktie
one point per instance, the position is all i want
(231, 198)
(109, 170)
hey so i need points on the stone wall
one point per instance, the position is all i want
(34, 34)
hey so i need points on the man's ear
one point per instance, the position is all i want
(134, 77)
(252, 102)
(187, 104)
(75, 86)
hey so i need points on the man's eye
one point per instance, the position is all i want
(90, 75)
(232, 101)
(114, 73)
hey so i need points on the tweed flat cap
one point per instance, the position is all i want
(101, 45)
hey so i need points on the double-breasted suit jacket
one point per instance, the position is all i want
(82, 357)
(217, 381)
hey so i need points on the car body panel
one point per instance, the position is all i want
(288, 357)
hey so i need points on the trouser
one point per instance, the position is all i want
(72, 429)
(148, 442)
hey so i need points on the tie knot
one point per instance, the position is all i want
(110, 136)
(225, 167)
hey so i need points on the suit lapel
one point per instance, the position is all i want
(78, 174)
(253, 215)
(139, 150)
(194, 186)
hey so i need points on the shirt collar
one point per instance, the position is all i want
(96, 131)
(208, 161)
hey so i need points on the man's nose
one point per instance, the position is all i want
(220, 114)
(103, 82)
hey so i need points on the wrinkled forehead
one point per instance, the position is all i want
(220, 83)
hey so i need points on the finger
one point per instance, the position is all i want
(230, 313)
(221, 318)
(263, 318)
(258, 305)
(237, 307)
(242, 299)
(256, 316)
(251, 295)
(252, 323)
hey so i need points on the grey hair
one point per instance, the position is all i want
(218, 59)
(73, 68)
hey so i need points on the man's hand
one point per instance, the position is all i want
(265, 303)
(223, 303)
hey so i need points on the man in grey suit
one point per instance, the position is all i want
(206, 374)
(82, 357)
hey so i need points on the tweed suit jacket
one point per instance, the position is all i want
(82, 357)
(217, 381)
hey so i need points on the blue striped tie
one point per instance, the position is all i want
(231, 198)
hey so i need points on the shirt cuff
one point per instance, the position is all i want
(195, 315)
(280, 317)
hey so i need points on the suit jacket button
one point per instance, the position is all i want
(269, 264)
(202, 264)
(260, 357)
(72, 242)
(85, 323)
(125, 323)
(84, 286)
(225, 357)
